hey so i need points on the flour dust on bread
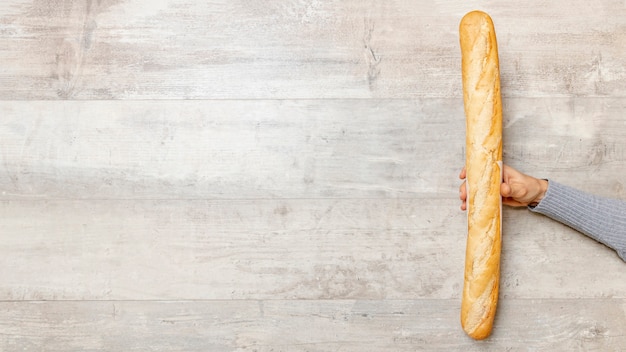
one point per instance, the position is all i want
(483, 112)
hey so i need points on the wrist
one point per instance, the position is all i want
(542, 186)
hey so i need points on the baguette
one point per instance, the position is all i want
(483, 111)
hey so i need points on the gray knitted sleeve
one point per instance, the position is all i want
(602, 219)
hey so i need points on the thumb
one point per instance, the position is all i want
(506, 190)
(508, 197)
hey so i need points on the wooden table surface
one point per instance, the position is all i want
(233, 175)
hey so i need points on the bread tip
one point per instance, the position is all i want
(478, 329)
(480, 334)
(475, 16)
(477, 13)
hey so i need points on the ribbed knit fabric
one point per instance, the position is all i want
(602, 219)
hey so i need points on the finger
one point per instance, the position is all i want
(505, 190)
(512, 191)
(512, 202)
(463, 173)
(506, 170)
(463, 195)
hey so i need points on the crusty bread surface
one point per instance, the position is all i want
(483, 110)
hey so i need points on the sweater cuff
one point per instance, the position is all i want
(565, 205)
(583, 212)
(546, 202)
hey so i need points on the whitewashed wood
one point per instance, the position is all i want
(287, 249)
(307, 199)
(293, 149)
(229, 149)
(579, 141)
(276, 325)
(144, 49)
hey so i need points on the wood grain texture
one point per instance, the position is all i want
(293, 149)
(267, 249)
(140, 49)
(277, 325)
(282, 175)
(228, 149)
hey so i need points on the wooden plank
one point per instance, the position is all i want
(276, 325)
(305, 199)
(579, 141)
(227, 149)
(282, 249)
(184, 49)
(293, 149)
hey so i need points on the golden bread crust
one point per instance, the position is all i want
(483, 110)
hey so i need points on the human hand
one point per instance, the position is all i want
(517, 189)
